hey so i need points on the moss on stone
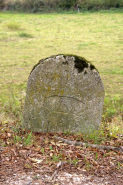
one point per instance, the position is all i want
(80, 62)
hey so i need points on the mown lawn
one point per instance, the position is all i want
(27, 38)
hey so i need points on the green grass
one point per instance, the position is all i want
(26, 35)
(97, 36)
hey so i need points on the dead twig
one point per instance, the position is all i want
(102, 147)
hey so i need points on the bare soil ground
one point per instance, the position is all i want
(61, 177)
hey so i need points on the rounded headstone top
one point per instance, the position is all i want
(64, 92)
(80, 63)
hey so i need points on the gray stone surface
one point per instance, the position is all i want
(64, 93)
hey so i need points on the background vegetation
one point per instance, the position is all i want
(58, 5)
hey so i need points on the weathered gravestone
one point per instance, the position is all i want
(64, 93)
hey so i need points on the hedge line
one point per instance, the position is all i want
(42, 5)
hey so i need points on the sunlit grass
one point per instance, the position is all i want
(13, 26)
(95, 36)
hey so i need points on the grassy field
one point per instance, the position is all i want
(27, 38)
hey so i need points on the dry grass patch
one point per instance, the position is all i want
(13, 26)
